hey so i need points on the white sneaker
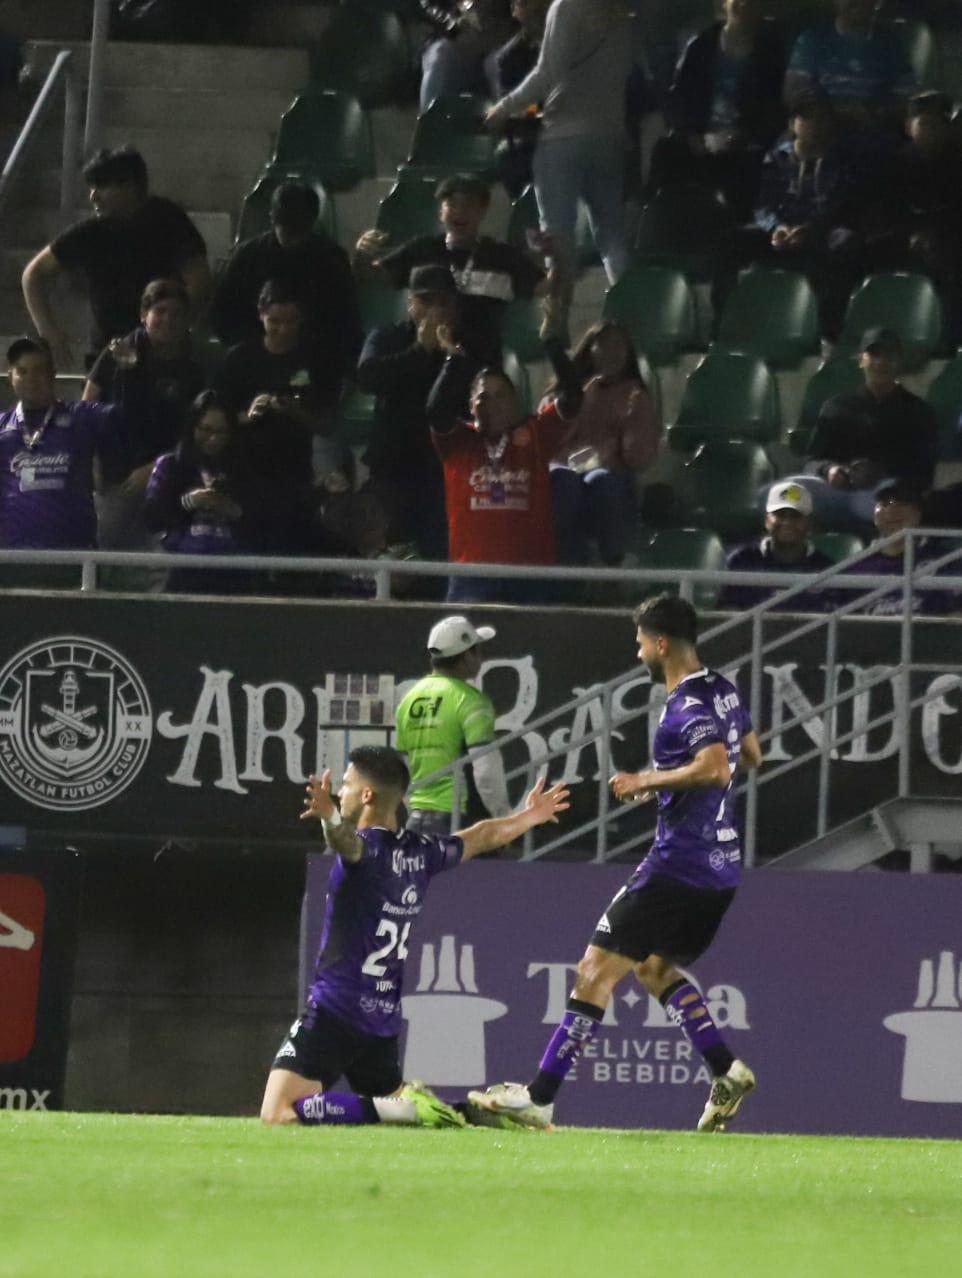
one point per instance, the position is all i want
(726, 1094)
(513, 1102)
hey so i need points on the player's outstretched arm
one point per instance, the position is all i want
(751, 753)
(319, 805)
(540, 806)
(708, 770)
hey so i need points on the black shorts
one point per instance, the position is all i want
(323, 1047)
(664, 917)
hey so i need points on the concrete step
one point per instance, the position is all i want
(184, 66)
(12, 262)
(150, 106)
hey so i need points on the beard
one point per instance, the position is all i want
(656, 669)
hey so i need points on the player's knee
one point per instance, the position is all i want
(591, 977)
(276, 1115)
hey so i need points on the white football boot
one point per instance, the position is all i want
(512, 1102)
(727, 1093)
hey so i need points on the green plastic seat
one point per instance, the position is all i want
(330, 133)
(255, 211)
(363, 51)
(450, 138)
(945, 397)
(920, 48)
(838, 545)
(674, 548)
(408, 210)
(721, 486)
(774, 315)
(656, 305)
(651, 379)
(901, 301)
(836, 375)
(682, 226)
(381, 306)
(355, 417)
(519, 329)
(522, 382)
(727, 396)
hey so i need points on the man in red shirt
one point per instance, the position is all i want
(496, 483)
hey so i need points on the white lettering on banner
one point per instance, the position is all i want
(589, 717)
(786, 692)
(14, 936)
(863, 712)
(932, 714)
(258, 733)
(23, 1098)
(932, 1065)
(214, 697)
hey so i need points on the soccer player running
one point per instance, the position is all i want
(668, 912)
(375, 893)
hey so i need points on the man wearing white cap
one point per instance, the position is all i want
(786, 548)
(441, 719)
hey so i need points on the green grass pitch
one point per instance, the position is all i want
(94, 1196)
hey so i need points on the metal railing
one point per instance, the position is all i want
(99, 31)
(61, 74)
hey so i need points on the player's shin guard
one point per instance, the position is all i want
(577, 1029)
(686, 1009)
(335, 1107)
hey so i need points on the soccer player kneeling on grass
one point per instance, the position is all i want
(375, 893)
(668, 912)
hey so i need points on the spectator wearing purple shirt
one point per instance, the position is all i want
(668, 912)
(787, 548)
(375, 894)
(47, 453)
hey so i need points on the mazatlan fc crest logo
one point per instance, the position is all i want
(75, 723)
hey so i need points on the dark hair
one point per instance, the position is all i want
(492, 370)
(463, 184)
(581, 356)
(279, 293)
(116, 167)
(669, 617)
(444, 665)
(28, 346)
(164, 291)
(295, 206)
(207, 401)
(382, 765)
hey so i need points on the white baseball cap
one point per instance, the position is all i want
(789, 497)
(455, 635)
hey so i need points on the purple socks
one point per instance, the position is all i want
(335, 1107)
(577, 1029)
(686, 1009)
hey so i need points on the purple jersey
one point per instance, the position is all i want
(696, 839)
(371, 906)
(46, 474)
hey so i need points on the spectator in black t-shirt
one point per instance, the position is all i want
(488, 273)
(134, 237)
(400, 364)
(295, 251)
(512, 62)
(284, 392)
(152, 376)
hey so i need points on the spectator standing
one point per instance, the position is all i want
(152, 376)
(460, 57)
(512, 63)
(787, 547)
(613, 437)
(47, 454)
(443, 718)
(299, 254)
(496, 477)
(488, 273)
(400, 364)
(581, 77)
(861, 68)
(725, 107)
(201, 501)
(807, 209)
(134, 237)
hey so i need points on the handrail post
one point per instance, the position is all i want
(905, 659)
(88, 575)
(604, 769)
(755, 696)
(99, 30)
(828, 724)
(71, 142)
(382, 583)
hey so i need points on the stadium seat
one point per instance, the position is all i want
(727, 395)
(681, 226)
(408, 210)
(522, 382)
(834, 376)
(381, 306)
(355, 416)
(651, 379)
(656, 305)
(255, 211)
(906, 303)
(838, 545)
(363, 51)
(330, 133)
(519, 329)
(920, 48)
(674, 548)
(771, 314)
(450, 138)
(721, 484)
(945, 397)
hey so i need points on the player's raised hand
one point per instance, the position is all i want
(546, 804)
(631, 787)
(319, 803)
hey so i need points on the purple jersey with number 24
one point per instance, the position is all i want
(696, 839)
(371, 906)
